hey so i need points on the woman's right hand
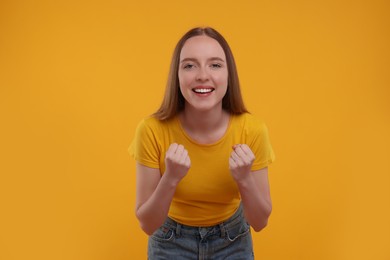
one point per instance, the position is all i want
(155, 192)
(177, 163)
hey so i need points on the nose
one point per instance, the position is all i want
(202, 74)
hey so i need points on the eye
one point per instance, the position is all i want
(188, 66)
(216, 65)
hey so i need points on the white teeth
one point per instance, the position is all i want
(203, 90)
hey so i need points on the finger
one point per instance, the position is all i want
(188, 162)
(236, 159)
(183, 156)
(232, 163)
(247, 150)
(245, 153)
(236, 146)
(172, 149)
(240, 152)
(234, 156)
(179, 150)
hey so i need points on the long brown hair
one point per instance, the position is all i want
(174, 101)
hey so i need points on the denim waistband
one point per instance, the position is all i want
(179, 228)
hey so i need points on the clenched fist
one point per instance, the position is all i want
(177, 162)
(240, 162)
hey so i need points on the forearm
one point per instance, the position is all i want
(154, 211)
(257, 208)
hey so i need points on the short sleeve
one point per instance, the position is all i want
(260, 144)
(145, 148)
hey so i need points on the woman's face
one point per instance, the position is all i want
(203, 73)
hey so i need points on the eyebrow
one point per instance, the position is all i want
(195, 60)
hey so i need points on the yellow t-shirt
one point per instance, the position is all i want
(208, 194)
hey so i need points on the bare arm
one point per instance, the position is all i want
(155, 192)
(253, 187)
(153, 198)
(256, 199)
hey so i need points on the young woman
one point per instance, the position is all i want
(202, 176)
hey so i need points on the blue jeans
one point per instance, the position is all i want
(229, 240)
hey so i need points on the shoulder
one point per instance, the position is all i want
(153, 124)
(249, 122)
(149, 121)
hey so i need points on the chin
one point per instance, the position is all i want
(206, 108)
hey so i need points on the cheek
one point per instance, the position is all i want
(222, 80)
(184, 84)
(184, 79)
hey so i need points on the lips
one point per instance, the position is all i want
(203, 90)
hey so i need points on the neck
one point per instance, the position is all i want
(203, 121)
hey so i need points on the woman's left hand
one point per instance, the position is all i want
(240, 162)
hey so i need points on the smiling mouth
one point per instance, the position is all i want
(202, 90)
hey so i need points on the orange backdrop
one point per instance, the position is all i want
(77, 76)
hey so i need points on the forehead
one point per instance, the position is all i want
(201, 47)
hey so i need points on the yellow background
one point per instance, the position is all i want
(77, 76)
